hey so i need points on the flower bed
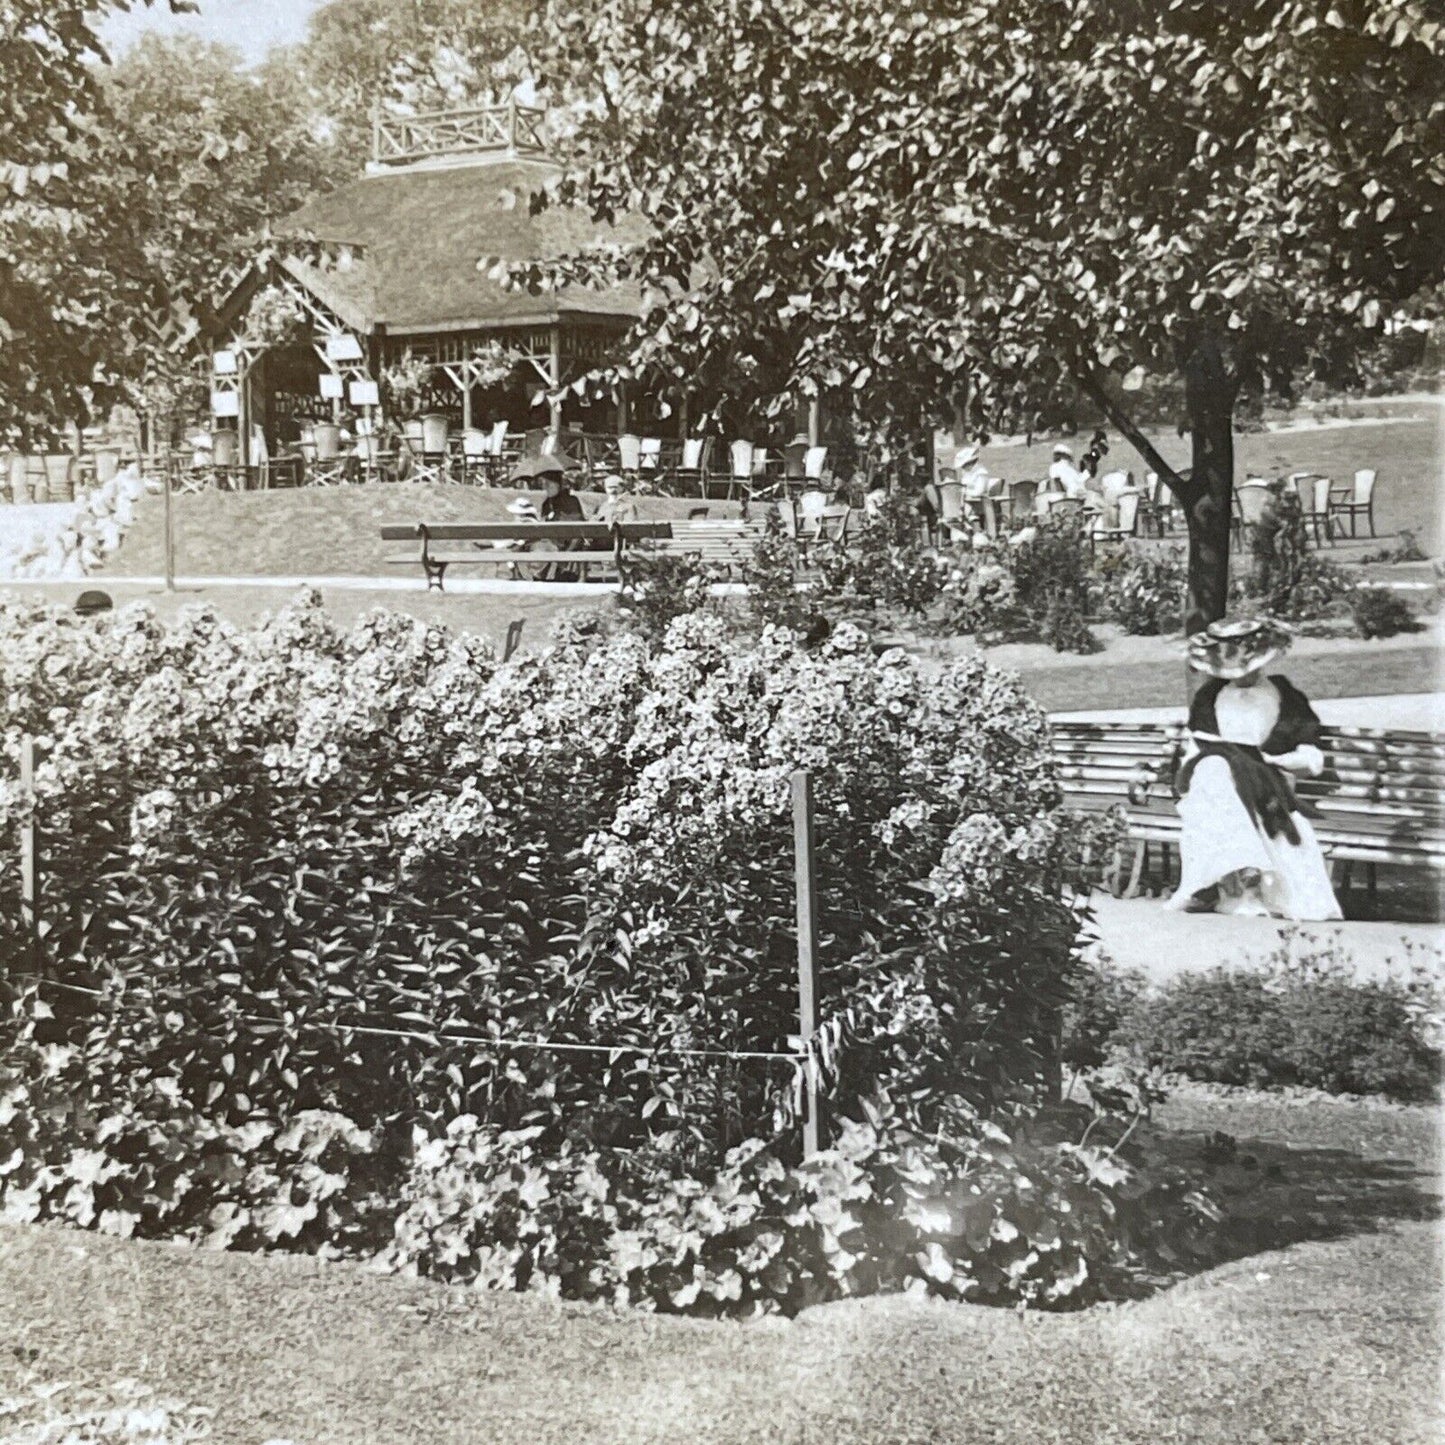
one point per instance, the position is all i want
(364, 943)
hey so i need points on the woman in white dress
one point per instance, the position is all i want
(1245, 846)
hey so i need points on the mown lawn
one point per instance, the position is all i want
(334, 531)
(1334, 1338)
(1408, 454)
(320, 531)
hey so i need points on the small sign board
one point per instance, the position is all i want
(343, 346)
(223, 363)
(330, 386)
(225, 403)
(365, 393)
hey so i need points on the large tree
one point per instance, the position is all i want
(913, 202)
(199, 157)
(49, 103)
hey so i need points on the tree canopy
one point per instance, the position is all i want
(901, 202)
(49, 98)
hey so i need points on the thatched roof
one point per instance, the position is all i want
(421, 232)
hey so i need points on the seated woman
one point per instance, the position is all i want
(1245, 847)
(561, 504)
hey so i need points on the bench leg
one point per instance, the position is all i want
(435, 572)
(1343, 868)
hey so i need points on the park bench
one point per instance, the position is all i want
(724, 543)
(439, 545)
(1378, 800)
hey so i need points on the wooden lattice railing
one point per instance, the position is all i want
(514, 129)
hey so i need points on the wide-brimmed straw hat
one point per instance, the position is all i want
(1229, 650)
(967, 457)
(1063, 449)
(522, 507)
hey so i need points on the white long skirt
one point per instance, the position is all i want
(1219, 837)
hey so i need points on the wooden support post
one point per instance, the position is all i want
(243, 415)
(169, 531)
(467, 403)
(815, 421)
(29, 846)
(807, 887)
(556, 408)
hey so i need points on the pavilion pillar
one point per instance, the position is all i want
(556, 370)
(621, 394)
(243, 414)
(815, 420)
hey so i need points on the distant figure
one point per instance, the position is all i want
(90, 603)
(1245, 847)
(972, 473)
(617, 506)
(560, 503)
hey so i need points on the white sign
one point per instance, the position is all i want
(343, 347)
(364, 393)
(223, 363)
(330, 386)
(225, 403)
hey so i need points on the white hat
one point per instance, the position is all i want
(1063, 449)
(522, 507)
(966, 457)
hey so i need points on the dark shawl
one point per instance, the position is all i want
(1262, 787)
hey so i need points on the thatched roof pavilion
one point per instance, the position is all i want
(391, 261)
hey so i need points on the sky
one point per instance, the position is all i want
(252, 26)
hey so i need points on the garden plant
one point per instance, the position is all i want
(363, 943)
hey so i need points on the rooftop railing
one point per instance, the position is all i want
(511, 129)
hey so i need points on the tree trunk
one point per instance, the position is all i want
(1209, 394)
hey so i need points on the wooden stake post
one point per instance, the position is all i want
(28, 843)
(170, 534)
(807, 875)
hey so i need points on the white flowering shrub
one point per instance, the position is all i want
(375, 876)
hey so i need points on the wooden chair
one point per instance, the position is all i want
(1251, 499)
(814, 460)
(629, 450)
(1158, 505)
(1126, 525)
(1314, 500)
(1358, 500)
(372, 460)
(1021, 503)
(476, 455)
(952, 515)
(740, 478)
(693, 467)
(649, 459)
(794, 474)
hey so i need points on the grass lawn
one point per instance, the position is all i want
(1131, 672)
(334, 531)
(321, 531)
(1406, 446)
(1334, 1337)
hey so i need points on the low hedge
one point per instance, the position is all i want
(1274, 1028)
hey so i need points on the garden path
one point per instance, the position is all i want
(1140, 933)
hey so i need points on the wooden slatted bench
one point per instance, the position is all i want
(439, 545)
(1378, 800)
(725, 543)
